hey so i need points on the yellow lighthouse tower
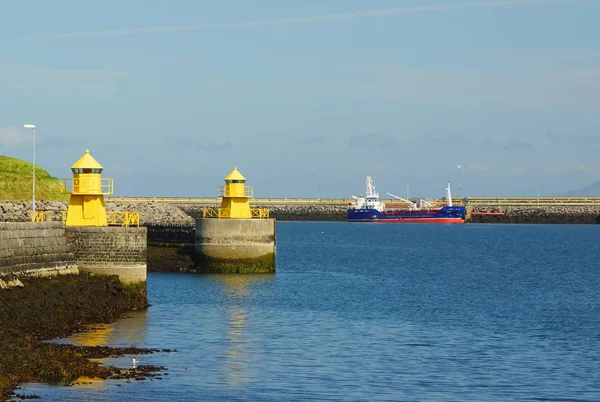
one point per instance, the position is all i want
(86, 206)
(241, 240)
(236, 196)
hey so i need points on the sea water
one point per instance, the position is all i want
(374, 312)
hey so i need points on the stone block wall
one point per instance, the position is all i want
(35, 249)
(110, 251)
(171, 233)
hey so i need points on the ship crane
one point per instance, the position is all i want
(412, 205)
(426, 204)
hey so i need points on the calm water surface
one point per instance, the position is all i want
(376, 312)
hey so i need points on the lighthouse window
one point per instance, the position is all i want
(80, 171)
(236, 181)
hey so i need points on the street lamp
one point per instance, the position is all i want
(32, 127)
(458, 167)
(538, 193)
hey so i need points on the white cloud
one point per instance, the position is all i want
(190, 170)
(38, 81)
(478, 166)
(541, 89)
(14, 137)
(290, 21)
(121, 168)
(573, 168)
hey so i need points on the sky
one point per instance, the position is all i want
(306, 98)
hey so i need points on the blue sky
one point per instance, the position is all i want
(306, 98)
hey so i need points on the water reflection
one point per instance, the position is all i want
(94, 335)
(238, 288)
(129, 331)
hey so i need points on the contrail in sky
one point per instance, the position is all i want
(288, 21)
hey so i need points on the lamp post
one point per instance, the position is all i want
(32, 127)
(538, 193)
(458, 167)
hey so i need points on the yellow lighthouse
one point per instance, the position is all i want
(241, 240)
(86, 206)
(236, 196)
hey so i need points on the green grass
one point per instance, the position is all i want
(15, 181)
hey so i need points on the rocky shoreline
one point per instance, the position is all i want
(44, 308)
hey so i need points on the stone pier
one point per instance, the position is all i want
(110, 250)
(235, 245)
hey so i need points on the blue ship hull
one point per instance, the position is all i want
(443, 215)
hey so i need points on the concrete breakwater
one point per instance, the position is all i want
(555, 214)
(287, 212)
(163, 214)
(549, 214)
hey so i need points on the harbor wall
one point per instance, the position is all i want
(165, 215)
(182, 233)
(547, 214)
(35, 249)
(110, 251)
(171, 247)
(287, 212)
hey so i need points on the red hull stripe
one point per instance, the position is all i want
(412, 220)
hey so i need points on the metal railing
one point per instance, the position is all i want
(124, 219)
(257, 213)
(216, 212)
(255, 201)
(37, 216)
(533, 201)
(104, 186)
(260, 213)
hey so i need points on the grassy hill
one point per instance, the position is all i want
(15, 181)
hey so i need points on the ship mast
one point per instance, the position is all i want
(371, 189)
(449, 195)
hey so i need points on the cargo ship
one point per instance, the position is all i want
(371, 209)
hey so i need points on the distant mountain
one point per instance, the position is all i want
(593, 190)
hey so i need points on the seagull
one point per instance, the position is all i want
(135, 363)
